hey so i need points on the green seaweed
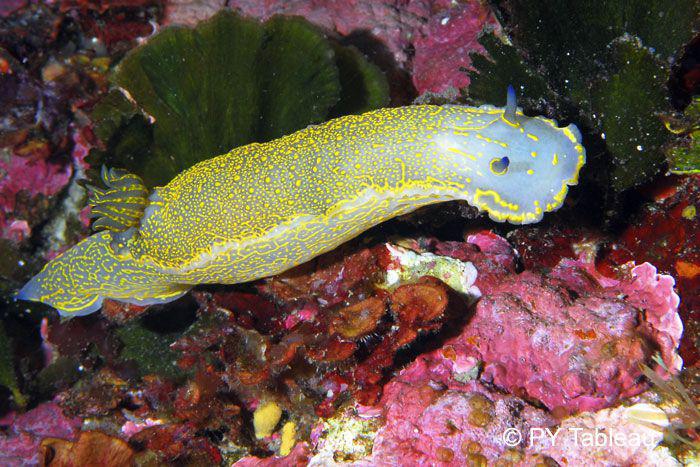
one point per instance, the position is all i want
(488, 84)
(602, 65)
(684, 156)
(567, 38)
(112, 113)
(146, 341)
(627, 103)
(150, 350)
(57, 376)
(196, 93)
(8, 378)
(363, 84)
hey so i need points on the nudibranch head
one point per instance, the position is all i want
(519, 167)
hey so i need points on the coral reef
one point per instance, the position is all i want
(451, 426)
(564, 341)
(666, 233)
(663, 232)
(601, 334)
(49, 76)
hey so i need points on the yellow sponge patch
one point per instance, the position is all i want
(289, 438)
(265, 419)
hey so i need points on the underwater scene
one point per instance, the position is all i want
(361, 232)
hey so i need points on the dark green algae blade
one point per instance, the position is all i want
(228, 82)
(295, 89)
(189, 94)
(363, 84)
(602, 65)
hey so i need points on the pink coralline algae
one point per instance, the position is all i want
(442, 33)
(298, 457)
(568, 339)
(571, 341)
(24, 184)
(442, 50)
(22, 434)
(433, 419)
(536, 348)
(618, 439)
(666, 234)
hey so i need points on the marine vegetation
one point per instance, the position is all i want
(194, 93)
(603, 64)
(684, 158)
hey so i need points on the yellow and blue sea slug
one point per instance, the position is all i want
(261, 209)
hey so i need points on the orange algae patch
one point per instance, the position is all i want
(445, 454)
(359, 319)
(586, 335)
(91, 448)
(687, 270)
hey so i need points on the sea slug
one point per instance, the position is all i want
(263, 208)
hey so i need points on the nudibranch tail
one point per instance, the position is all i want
(121, 205)
(77, 282)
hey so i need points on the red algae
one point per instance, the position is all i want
(328, 280)
(22, 434)
(530, 330)
(359, 319)
(298, 457)
(175, 441)
(25, 189)
(91, 448)
(666, 234)
(424, 421)
(116, 24)
(442, 49)
(518, 341)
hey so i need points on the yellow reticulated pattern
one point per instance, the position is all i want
(263, 208)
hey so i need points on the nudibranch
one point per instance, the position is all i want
(261, 209)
